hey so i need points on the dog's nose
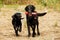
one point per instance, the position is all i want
(29, 11)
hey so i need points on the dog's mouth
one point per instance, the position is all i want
(30, 14)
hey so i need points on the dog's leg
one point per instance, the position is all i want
(33, 28)
(20, 28)
(28, 31)
(16, 30)
(38, 30)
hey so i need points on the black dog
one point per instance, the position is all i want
(16, 22)
(32, 19)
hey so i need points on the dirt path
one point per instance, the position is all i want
(49, 26)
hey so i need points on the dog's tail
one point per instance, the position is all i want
(41, 14)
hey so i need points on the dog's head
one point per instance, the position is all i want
(17, 16)
(30, 8)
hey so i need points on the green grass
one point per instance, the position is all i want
(12, 6)
(41, 4)
(1, 5)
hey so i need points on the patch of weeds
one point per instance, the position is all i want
(25, 24)
(12, 6)
(56, 25)
(1, 5)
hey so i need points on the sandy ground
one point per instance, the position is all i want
(49, 26)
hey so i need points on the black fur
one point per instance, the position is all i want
(32, 21)
(16, 22)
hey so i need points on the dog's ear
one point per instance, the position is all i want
(26, 8)
(13, 16)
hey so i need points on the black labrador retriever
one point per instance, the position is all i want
(32, 19)
(16, 22)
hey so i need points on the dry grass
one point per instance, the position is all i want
(47, 25)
